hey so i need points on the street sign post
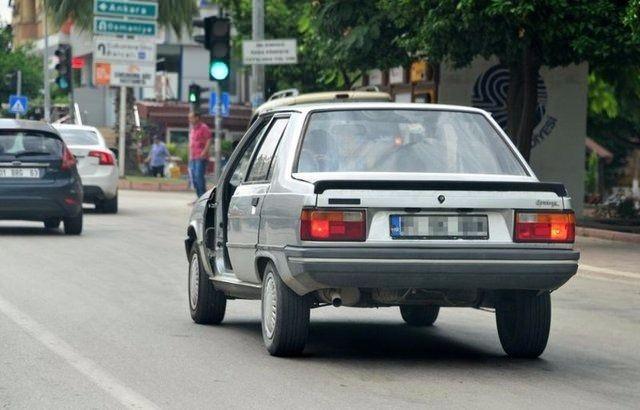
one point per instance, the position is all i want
(213, 98)
(123, 8)
(269, 52)
(18, 104)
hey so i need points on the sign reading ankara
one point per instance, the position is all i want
(124, 8)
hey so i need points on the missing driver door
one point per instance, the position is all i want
(246, 203)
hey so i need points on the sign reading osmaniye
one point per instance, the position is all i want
(123, 8)
(112, 26)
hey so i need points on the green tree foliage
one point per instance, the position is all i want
(171, 13)
(19, 58)
(524, 35)
(614, 114)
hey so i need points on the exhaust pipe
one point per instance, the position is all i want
(336, 299)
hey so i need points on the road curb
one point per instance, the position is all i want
(153, 186)
(606, 234)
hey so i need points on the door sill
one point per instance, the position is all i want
(237, 289)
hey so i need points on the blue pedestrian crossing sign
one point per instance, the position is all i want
(225, 104)
(18, 104)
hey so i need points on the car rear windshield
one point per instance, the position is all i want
(422, 141)
(29, 143)
(79, 137)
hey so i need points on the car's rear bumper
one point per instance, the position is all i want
(101, 186)
(36, 203)
(490, 269)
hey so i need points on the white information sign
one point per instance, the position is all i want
(116, 49)
(269, 52)
(396, 75)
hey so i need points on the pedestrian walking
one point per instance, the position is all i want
(157, 158)
(199, 143)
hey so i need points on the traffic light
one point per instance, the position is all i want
(64, 69)
(218, 40)
(194, 94)
(11, 81)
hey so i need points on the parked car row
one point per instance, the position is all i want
(47, 172)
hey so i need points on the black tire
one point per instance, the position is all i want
(207, 305)
(419, 315)
(285, 331)
(52, 223)
(524, 320)
(109, 206)
(73, 225)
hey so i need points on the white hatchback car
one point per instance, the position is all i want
(96, 165)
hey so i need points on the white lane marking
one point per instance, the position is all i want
(608, 271)
(126, 396)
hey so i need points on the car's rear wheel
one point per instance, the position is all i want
(524, 321)
(73, 225)
(109, 206)
(52, 223)
(206, 304)
(419, 315)
(285, 316)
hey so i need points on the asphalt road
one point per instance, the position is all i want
(101, 321)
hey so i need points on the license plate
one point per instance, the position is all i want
(439, 226)
(19, 173)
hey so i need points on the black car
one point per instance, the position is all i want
(38, 176)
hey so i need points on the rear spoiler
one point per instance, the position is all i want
(378, 185)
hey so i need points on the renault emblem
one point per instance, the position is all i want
(441, 198)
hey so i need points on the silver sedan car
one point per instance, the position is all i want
(380, 205)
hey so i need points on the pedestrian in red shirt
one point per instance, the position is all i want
(199, 142)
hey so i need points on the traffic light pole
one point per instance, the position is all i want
(217, 142)
(257, 71)
(18, 86)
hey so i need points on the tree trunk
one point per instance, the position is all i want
(530, 69)
(522, 100)
(514, 102)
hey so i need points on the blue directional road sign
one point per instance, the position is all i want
(225, 104)
(212, 103)
(18, 104)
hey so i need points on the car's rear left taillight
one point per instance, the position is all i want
(333, 225)
(105, 158)
(68, 160)
(531, 226)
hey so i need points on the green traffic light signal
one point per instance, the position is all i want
(219, 70)
(192, 97)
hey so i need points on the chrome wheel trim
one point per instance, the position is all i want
(194, 281)
(269, 306)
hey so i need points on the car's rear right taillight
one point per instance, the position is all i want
(105, 158)
(531, 226)
(68, 160)
(333, 225)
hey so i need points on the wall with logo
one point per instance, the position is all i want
(559, 135)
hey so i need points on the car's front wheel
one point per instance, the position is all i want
(73, 225)
(206, 304)
(285, 316)
(109, 206)
(524, 321)
(52, 223)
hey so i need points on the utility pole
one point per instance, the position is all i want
(257, 71)
(18, 87)
(122, 148)
(45, 66)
